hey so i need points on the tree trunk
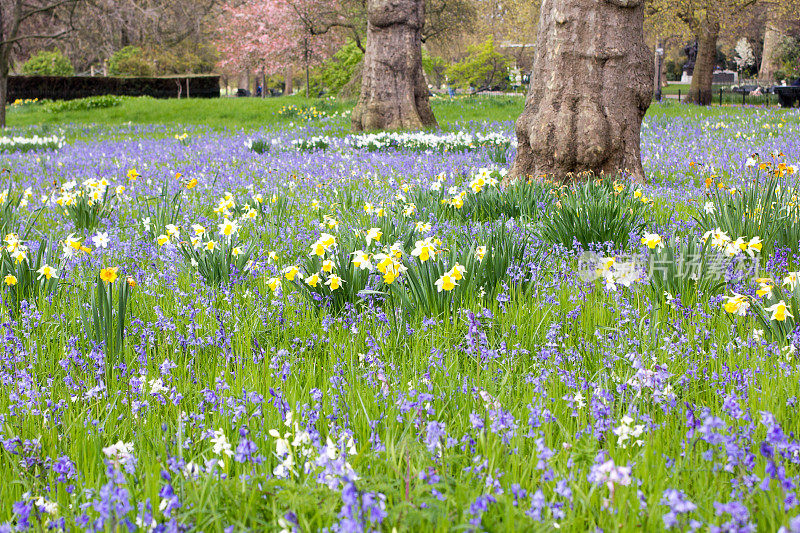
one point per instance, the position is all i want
(244, 81)
(3, 96)
(394, 94)
(591, 85)
(701, 92)
(288, 75)
(774, 33)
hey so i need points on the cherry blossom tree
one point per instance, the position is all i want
(270, 35)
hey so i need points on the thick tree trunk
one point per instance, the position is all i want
(591, 85)
(701, 92)
(774, 33)
(394, 94)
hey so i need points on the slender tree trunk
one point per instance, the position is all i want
(591, 85)
(288, 77)
(701, 92)
(3, 95)
(244, 81)
(394, 94)
(774, 33)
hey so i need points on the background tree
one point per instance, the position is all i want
(394, 93)
(707, 21)
(483, 68)
(177, 30)
(780, 21)
(26, 21)
(268, 36)
(590, 88)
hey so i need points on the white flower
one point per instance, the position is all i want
(709, 208)
(120, 453)
(101, 240)
(221, 444)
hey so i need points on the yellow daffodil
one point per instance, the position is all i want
(10, 280)
(457, 272)
(374, 234)
(736, 304)
(480, 252)
(47, 272)
(327, 265)
(228, 228)
(334, 282)
(445, 283)
(653, 240)
(290, 272)
(361, 260)
(312, 280)
(162, 240)
(109, 275)
(273, 284)
(754, 245)
(791, 280)
(779, 311)
(424, 249)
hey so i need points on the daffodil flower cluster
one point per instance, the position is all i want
(731, 248)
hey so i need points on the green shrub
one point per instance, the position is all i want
(84, 104)
(130, 61)
(48, 63)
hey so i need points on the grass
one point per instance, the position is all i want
(500, 374)
(257, 113)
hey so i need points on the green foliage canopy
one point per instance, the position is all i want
(483, 67)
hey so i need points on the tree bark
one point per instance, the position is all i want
(591, 85)
(288, 78)
(701, 92)
(774, 33)
(244, 80)
(394, 94)
(3, 96)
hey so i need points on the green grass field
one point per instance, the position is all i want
(257, 113)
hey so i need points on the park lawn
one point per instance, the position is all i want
(257, 113)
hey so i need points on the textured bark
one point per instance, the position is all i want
(393, 90)
(591, 85)
(701, 92)
(774, 33)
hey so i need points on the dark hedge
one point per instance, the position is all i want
(73, 87)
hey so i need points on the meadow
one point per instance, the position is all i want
(257, 322)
